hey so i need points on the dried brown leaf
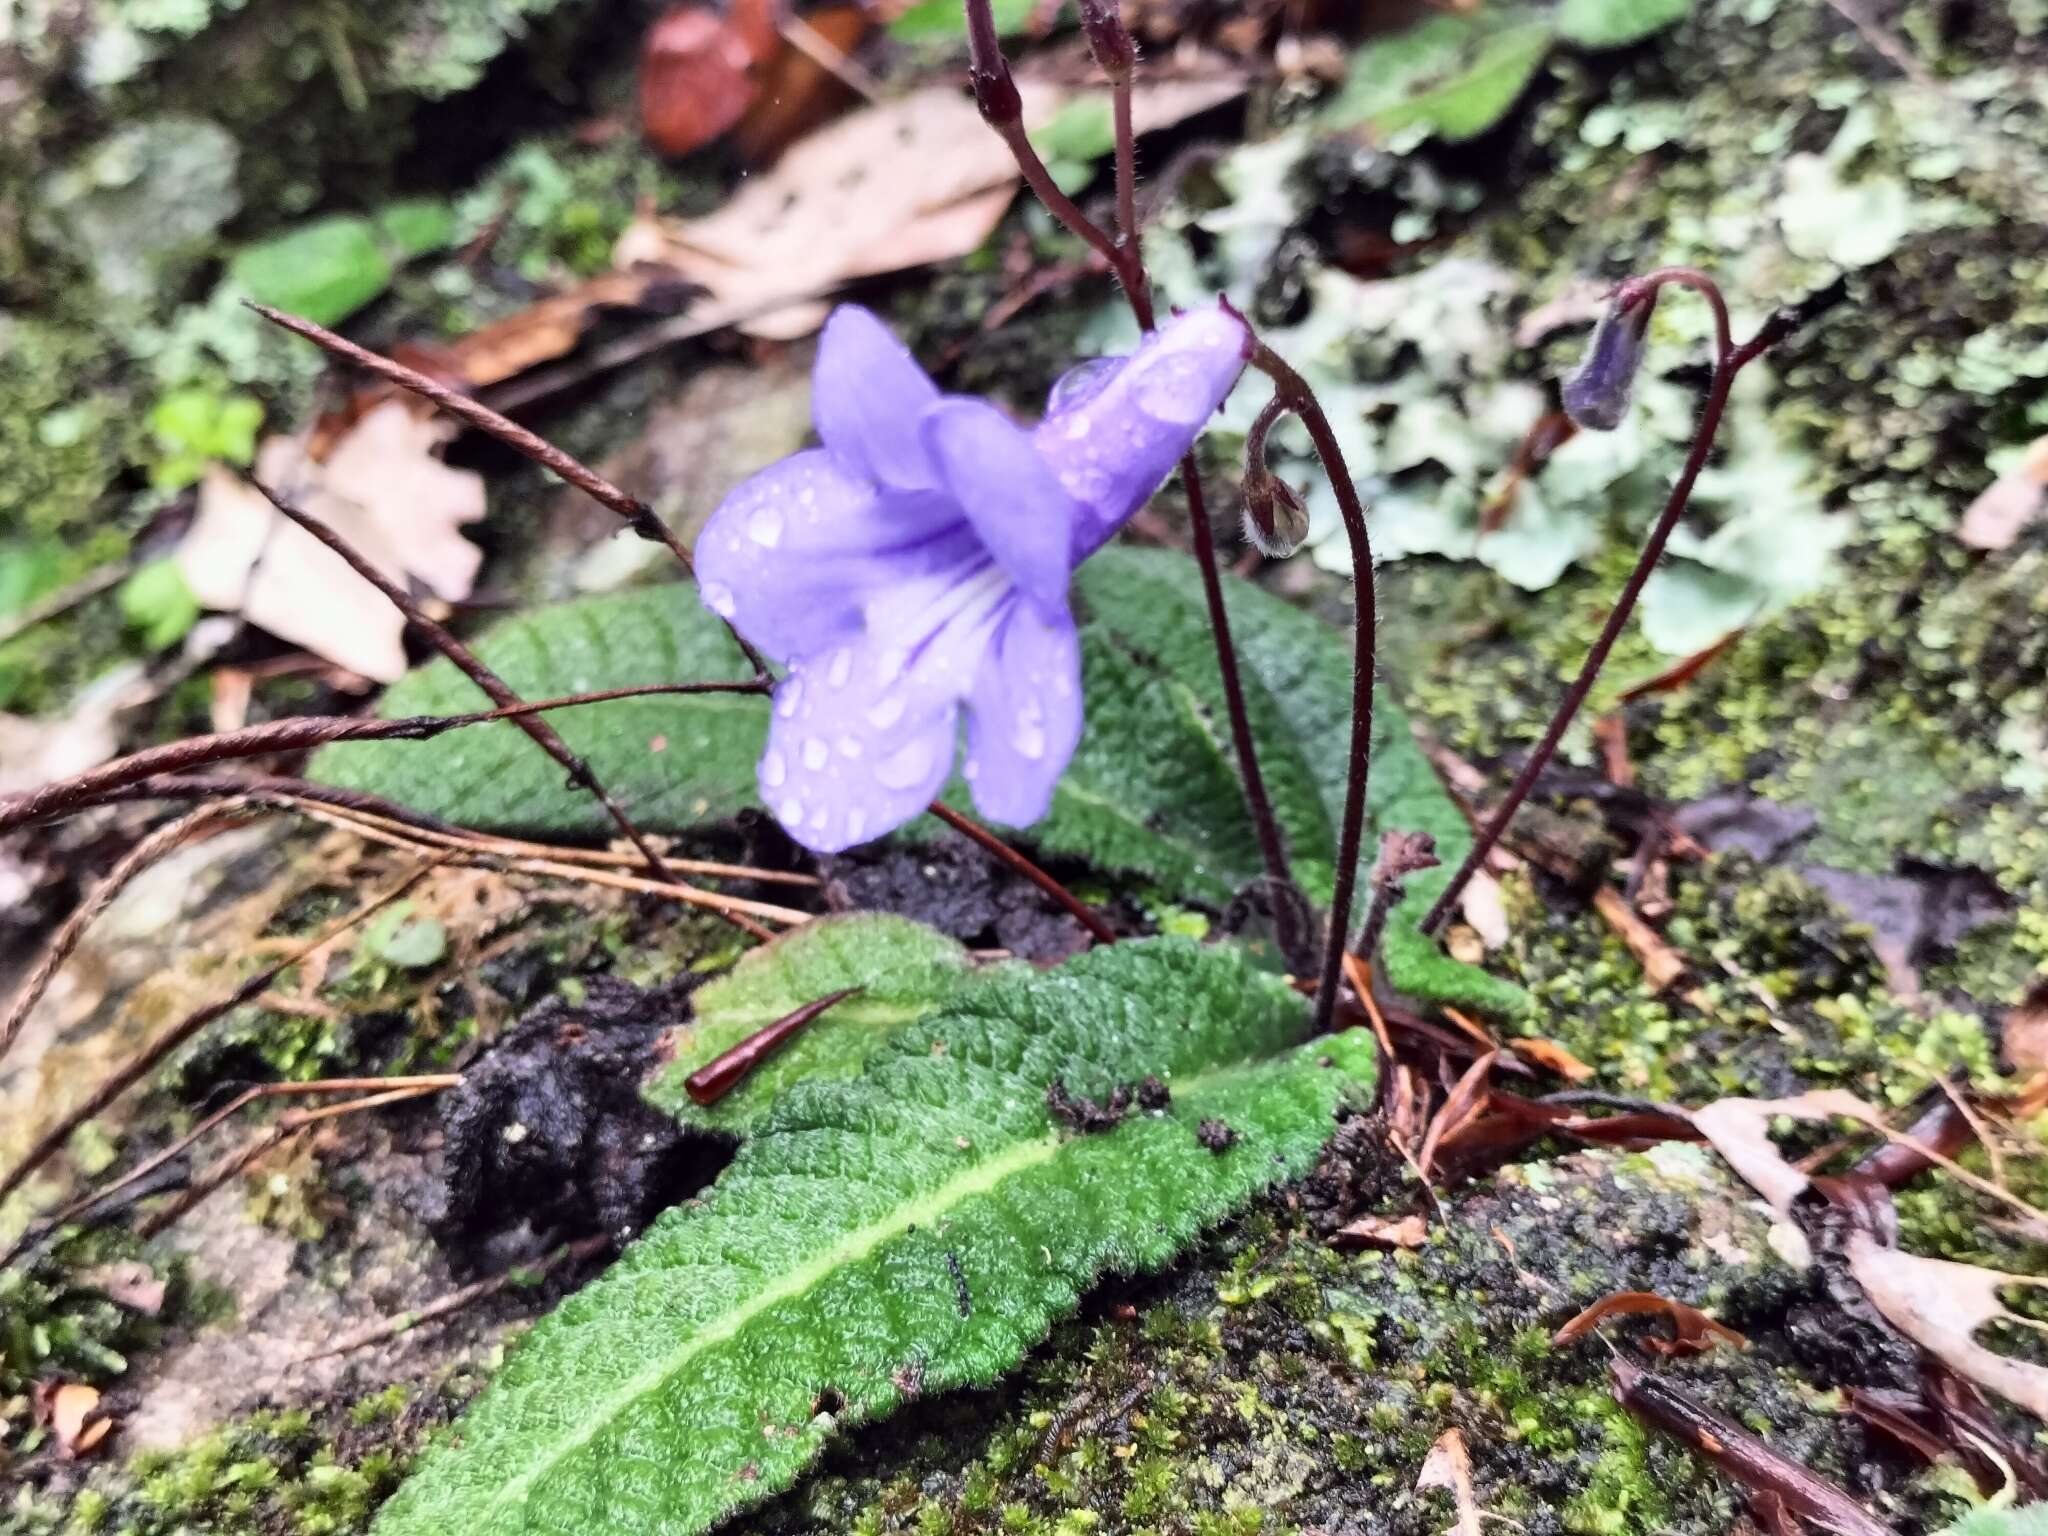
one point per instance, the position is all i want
(2007, 505)
(69, 1410)
(1552, 1057)
(1662, 965)
(1693, 1332)
(384, 489)
(1408, 1231)
(1940, 1305)
(1449, 1466)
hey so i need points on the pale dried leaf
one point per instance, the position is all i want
(384, 489)
(1940, 1306)
(2009, 503)
(1740, 1130)
(129, 1283)
(1483, 907)
(1449, 1466)
(1408, 1231)
(36, 751)
(835, 207)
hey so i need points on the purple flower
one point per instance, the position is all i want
(918, 562)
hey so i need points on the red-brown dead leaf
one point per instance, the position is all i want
(799, 89)
(2025, 1032)
(1662, 965)
(1462, 1104)
(1610, 734)
(1449, 1466)
(1693, 1332)
(696, 78)
(70, 1411)
(1681, 672)
(1551, 1057)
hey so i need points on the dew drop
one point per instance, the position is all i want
(971, 769)
(856, 824)
(886, 711)
(815, 753)
(1082, 383)
(849, 746)
(904, 767)
(840, 669)
(765, 526)
(789, 697)
(1175, 387)
(820, 818)
(1029, 740)
(719, 596)
(792, 812)
(773, 769)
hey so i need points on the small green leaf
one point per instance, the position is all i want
(156, 601)
(194, 426)
(397, 938)
(324, 271)
(1615, 23)
(916, 1229)
(416, 227)
(945, 20)
(1453, 75)
(905, 972)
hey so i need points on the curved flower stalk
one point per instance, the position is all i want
(917, 564)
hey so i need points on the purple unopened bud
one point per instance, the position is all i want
(1275, 521)
(995, 92)
(1596, 395)
(1108, 38)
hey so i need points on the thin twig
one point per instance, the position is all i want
(1080, 911)
(297, 734)
(454, 1301)
(1728, 362)
(637, 514)
(495, 687)
(144, 853)
(90, 585)
(151, 1055)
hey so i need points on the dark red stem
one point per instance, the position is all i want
(1728, 362)
(1351, 831)
(1078, 909)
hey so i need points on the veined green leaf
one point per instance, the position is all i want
(905, 972)
(914, 1229)
(1451, 75)
(1152, 788)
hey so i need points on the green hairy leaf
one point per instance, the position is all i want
(1151, 790)
(905, 972)
(1452, 75)
(915, 1229)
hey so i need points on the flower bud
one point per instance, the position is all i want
(1108, 38)
(1275, 521)
(1596, 395)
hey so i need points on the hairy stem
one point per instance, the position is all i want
(1729, 361)
(1351, 830)
(1080, 911)
(1001, 106)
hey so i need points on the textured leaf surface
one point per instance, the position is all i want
(1450, 75)
(1152, 788)
(915, 1229)
(905, 972)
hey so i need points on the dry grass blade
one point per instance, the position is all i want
(147, 851)
(454, 1301)
(152, 1055)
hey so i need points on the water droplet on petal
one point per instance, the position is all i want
(820, 818)
(906, 766)
(792, 812)
(1082, 383)
(789, 697)
(841, 667)
(886, 711)
(765, 526)
(849, 746)
(815, 753)
(856, 824)
(1175, 387)
(719, 597)
(773, 769)
(971, 769)
(1029, 740)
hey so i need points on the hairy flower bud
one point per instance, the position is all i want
(1275, 521)
(1596, 395)
(1108, 38)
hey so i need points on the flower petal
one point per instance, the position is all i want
(1009, 494)
(1024, 716)
(1113, 439)
(858, 744)
(793, 552)
(867, 397)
